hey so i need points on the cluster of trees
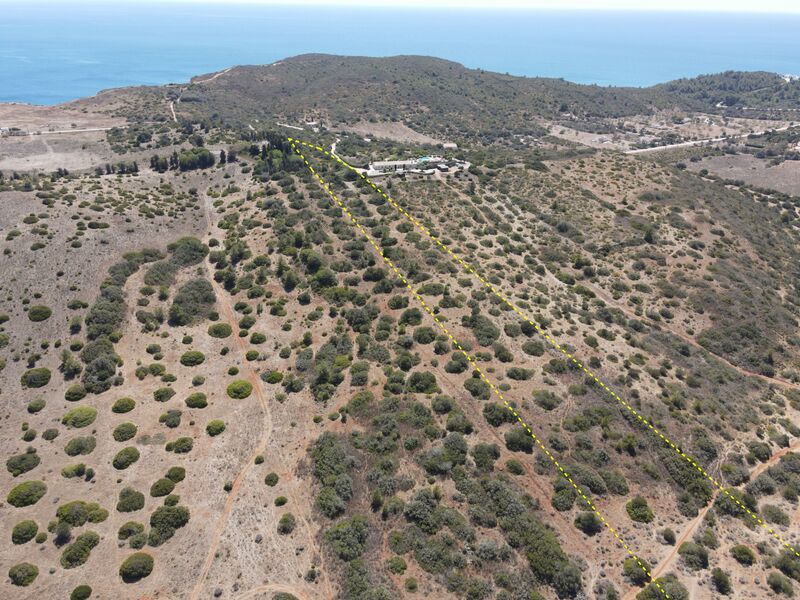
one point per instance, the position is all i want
(187, 160)
(103, 321)
(194, 301)
(121, 168)
(274, 157)
(331, 466)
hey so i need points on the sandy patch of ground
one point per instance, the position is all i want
(398, 132)
(29, 117)
(784, 177)
(48, 152)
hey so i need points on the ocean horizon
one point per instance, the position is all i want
(51, 53)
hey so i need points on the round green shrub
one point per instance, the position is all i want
(82, 592)
(171, 418)
(176, 474)
(130, 500)
(257, 338)
(251, 355)
(123, 405)
(636, 570)
(215, 427)
(281, 500)
(589, 523)
(182, 445)
(220, 330)
(197, 400)
(23, 574)
(35, 378)
(638, 510)
(273, 377)
(138, 541)
(163, 394)
(75, 392)
(192, 358)
(39, 312)
(669, 536)
(396, 565)
(743, 555)
(78, 512)
(515, 467)
(129, 529)
(26, 493)
(240, 389)
(271, 479)
(76, 470)
(124, 431)
(137, 566)
(34, 406)
(80, 445)
(125, 458)
(286, 524)
(162, 487)
(24, 531)
(22, 463)
(49, 434)
(82, 416)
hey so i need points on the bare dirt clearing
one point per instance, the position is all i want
(48, 152)
(784, 177)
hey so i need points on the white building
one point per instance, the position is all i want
(388, 166)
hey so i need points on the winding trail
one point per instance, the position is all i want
(668, 562)
(213, 77)
(228, 315)
(271, 588)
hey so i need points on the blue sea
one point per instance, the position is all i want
(57, 51)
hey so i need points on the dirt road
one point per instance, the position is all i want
(228, 316)
(668, 562)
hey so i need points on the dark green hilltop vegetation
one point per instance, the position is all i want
(440, 97)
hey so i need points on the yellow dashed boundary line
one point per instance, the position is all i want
(467, 267)
(471, 360)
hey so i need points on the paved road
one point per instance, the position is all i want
(706, 141)
(56, 131)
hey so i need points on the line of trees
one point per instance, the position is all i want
(120, 167)
(189, 160)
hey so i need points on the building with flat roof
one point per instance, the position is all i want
(386, 166)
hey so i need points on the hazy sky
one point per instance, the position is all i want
(780, 6)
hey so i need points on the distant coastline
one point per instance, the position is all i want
(48, 57)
